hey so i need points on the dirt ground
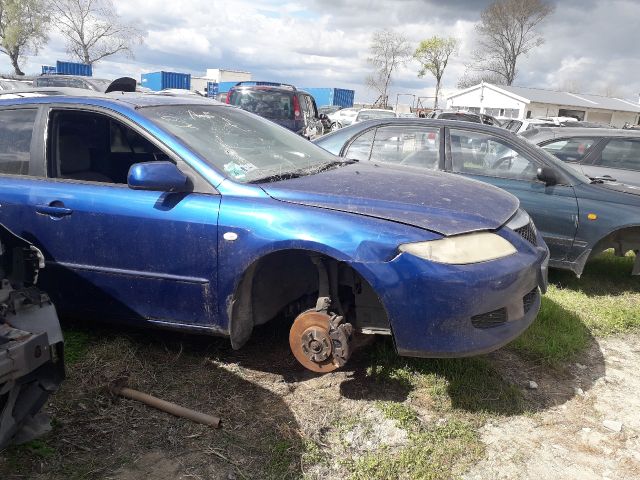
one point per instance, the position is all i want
(578, 437)
(280, 421)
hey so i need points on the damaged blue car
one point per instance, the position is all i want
(190, 214)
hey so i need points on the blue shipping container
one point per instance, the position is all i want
(332, 96)
(160, 80)
(224, 87)
(212, 89)
(71, 68)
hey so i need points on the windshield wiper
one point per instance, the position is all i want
(312, 170)
(602, 179)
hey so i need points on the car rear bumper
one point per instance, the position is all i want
(438, 310)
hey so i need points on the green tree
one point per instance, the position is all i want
(23, 29)
(433, 55)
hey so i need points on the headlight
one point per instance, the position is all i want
(462, 249)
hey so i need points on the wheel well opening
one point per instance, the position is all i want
(285, 283)
(622, 241)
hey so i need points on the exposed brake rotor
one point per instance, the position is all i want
(319, 341)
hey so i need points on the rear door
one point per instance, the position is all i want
(112, 251)
(616, 158)
(494, 160)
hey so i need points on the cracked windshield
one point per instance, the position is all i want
(245, 148)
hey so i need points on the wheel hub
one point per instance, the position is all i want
(319, 341)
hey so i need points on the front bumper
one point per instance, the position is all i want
(438, 310)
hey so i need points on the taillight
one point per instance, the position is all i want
(296, 106)
(229, 96)
(431, 136)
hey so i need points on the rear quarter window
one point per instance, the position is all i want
(16, 129)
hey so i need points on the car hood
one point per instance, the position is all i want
(440, 202)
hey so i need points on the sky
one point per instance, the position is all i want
(590, 45)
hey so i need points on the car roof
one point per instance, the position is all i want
(80, 95)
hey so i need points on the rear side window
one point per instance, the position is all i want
(569, 149)
(621, 153)
(407, 145)
(16, 129)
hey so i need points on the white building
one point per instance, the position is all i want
(521, 103)
(218, 75)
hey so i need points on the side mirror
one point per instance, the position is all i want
(158, 176)
(547, 175)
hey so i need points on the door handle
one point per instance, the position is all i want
(54, 210)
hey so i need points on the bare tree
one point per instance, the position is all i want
(94, 30)
(507, 30)
(433, 55)
(388, 50)
(469, 79)
(23, 26)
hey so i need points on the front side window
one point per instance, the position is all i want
(481, 154)
(16, 129)
(569, 149)
(244, 147)
(92, 147)
(621, 153)
(407, 145)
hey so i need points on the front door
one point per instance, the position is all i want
(112, 251)
(488, 158)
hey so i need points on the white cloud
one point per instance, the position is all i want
(325, 42)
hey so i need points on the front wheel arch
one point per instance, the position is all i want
(278, 279)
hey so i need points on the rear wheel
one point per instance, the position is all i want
(335, 126)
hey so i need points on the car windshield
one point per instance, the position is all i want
(373, 114)
(245, 147)
(270, 104)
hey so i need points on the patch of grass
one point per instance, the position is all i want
(470, 384)
(557, 334)
(440, 451)
(606, 298)
(76, 345)
(605, 301)
(402, 414)
(282, 461)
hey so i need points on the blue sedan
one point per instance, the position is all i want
(189, 214)
(578, 217)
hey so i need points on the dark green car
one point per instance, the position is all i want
(577, 217)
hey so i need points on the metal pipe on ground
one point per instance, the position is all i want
(165, 406)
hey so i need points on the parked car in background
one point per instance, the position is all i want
(186, 213)
(281, 103)
(519, 126)
(342, 117)
(580, 123)
(606, 154)
(460, 115)
(31, 344)
(324, 113)
(578, 218)
(72, 81)
(372, 113)
(10, 84)
(329, 109)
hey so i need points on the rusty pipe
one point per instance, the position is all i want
(165, 406)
